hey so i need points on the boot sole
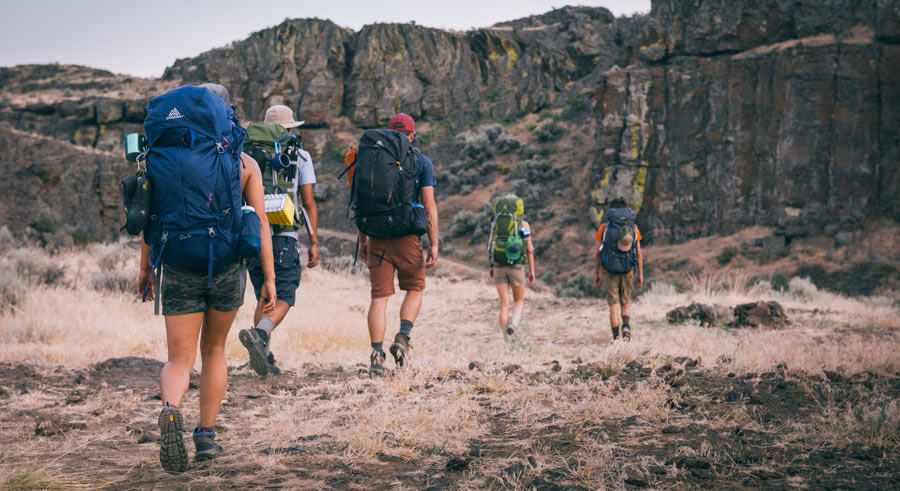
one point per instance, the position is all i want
(258, 361)
(398, 354)
(172, 454)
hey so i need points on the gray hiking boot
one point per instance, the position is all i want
(172, 454)
(400, 349)
(205, 443)
(257, 344)
(271, 366)
(376, 364)
(626, 332)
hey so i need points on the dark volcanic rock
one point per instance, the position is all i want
(760, 314)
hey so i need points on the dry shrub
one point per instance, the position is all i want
(12, 286)
(113, 281)
(7, 241)
(877, 423)
(343, 265)
(37, 267)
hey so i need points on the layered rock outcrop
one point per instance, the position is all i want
(708, 116)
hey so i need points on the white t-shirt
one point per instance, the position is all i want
(306, 174)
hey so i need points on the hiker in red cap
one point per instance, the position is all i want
(384, 252)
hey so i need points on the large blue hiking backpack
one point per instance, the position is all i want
(619, 222)
(193, 162)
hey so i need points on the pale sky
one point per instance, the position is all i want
(144, 37)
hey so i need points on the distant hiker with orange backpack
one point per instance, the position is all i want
(288, 176)
(619, 254)
(392, 200)
(510, 237)
(190, 253)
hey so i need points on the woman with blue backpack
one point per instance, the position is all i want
(191, 253)
(510, 252)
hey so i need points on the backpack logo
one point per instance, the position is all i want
(174, 114)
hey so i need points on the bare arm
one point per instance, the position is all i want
(145, 275)
(529, 251)
(431, 208)
(251, 181)
(597, 265)
(309, 204)
(640, 265)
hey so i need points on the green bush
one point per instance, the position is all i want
(726, 255)
(45, 225)
(548, 131)
(575, 108)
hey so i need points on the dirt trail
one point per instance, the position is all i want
(692, 448)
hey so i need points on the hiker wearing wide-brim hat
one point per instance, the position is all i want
(296, 181)
(619, 255)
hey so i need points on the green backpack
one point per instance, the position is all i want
(505, 245)
(264, 142)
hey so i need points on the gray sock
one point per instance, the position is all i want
(405, 327)
(266, 325)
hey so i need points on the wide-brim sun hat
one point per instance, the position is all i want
(282, 115)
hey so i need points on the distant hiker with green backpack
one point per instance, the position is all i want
(392, 201)
(190, 253)
(510, 250)
(619, 254)
(288, 176)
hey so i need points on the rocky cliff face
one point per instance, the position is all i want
(778, 113)
(707, 116)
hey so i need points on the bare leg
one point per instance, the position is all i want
(503, 291)
(277, 315)
(411, 305)
(614, 316)
(377, 319)
(181, 337)
(626, 311)
(214, 375)
(518, 299)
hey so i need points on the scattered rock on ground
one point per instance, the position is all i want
(457, 464)
(757, 314)
(50, 425)
(707, 315)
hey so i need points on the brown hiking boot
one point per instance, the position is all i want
(376, 364)
(400, 349)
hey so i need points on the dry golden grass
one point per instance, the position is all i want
(322, 414)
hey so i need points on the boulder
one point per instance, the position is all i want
(759, 314)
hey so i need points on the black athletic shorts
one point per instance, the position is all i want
(287, 269)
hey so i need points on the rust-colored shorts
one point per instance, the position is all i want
(402, 254)
(618, 288)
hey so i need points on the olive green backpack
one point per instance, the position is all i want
(505, 245)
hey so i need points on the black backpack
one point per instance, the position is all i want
(385, 185)
(619, 222)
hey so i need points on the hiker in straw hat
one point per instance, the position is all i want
(619, 254)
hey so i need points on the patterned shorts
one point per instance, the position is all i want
(184, 291)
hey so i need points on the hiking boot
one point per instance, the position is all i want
(270, 365)
(205, 443)
(376, 364)
(257, 344)
(511, 331)
(400, 349)
(615, 333)
(172, 454)
(626, 332)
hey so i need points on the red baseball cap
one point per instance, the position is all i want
(402, 122)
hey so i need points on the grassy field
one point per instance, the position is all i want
(814, 404)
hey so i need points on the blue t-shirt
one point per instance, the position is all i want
(424, 174)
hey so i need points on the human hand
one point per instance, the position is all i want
(363, 253)
(597, 280)
(267, 296)
(530, 277)
(146, 280)
(313, 253)
(491, 272)
(432, 257)
(639, 280)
